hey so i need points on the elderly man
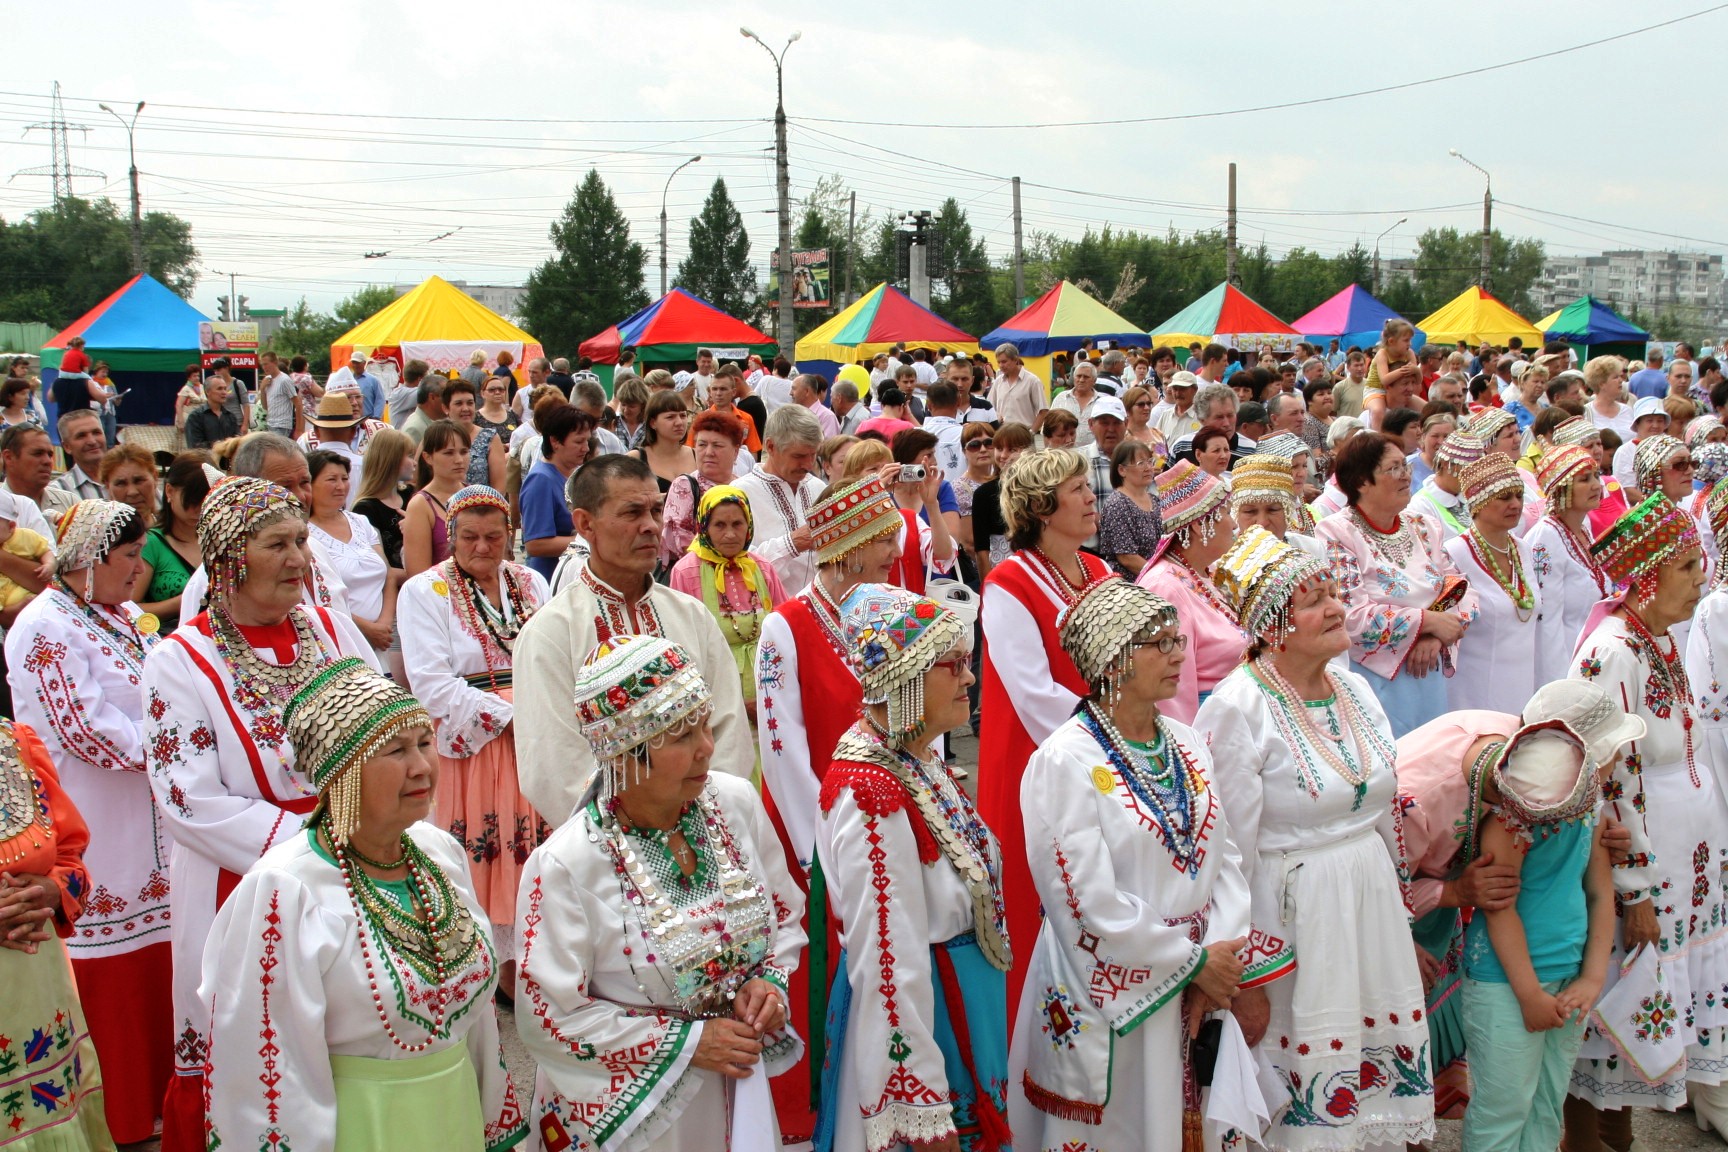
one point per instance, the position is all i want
(335, 424)
(1649, 380)
(1175, 417)
(848, 408)
(1449, 389)
(781, 491)
(617, 507)
(1108, 424)
(1111, 365)
(216, 421)
(1017, 394)
(1287, 412)
(82, 437)
(590, 399)
(1081, 399)
(280, 461)
(371, 388)
(807, 392)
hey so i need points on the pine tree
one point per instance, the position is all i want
(962, 290)
(595, 276)
(718, 268)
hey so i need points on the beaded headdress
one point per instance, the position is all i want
(1709, 463)
(631, 693)
(1459, 450)
(237, 509)
(1644, 539)
(1651, 457)
(1488, 478)
(1097, 629)
(1716, 510)
(1261, 479)
(1259, 576)
(474, 497)
(1558, 468)
(1576, 431)
(1489, 423)
(1187, 497)
(893, 637)
(852, 517)
(1544, 776)
(1700, 429)
(336, 723)
(1285, 444)
(87, 531)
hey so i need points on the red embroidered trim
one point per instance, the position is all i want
(877, 794)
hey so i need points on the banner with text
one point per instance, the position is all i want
(810, 279)
(235, 341)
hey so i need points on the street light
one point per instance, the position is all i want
(663, 194)
(787, 332)
(1487, 214)
(132, 154)
(1377, 240)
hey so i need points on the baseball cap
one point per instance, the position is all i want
(1108, 406)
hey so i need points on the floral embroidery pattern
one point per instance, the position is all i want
(1590, 667)
(1654, 1018)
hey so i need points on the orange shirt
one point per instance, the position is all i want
(52, 843)
(751, 440)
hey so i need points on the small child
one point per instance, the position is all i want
(25, 544)
(1533, 971)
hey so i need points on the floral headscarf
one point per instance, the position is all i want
(703, 547)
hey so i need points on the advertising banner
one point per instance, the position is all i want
(811, 284)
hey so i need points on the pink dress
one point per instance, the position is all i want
(1216, 643)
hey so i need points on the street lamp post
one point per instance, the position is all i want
(786, 332)
(663, 193)
(1487, 214)
(132, 155)
(1377, 240)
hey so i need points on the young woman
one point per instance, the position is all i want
(1140, 402)
(831, 456)
(989, 529)
(485, 445)
(384, 489)
(15, 402)
(494, 410)
(1212, 454)
(441, 472)
(667, 422)
(976, 440)
(1497, 666)
(631, 399)
(171, 553)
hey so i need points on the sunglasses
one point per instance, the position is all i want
(980, 445)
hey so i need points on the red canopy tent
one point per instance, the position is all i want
(673, 328)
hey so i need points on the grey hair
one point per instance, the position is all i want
(260, 446)
(846, 390)
(1006, 349)
(1275, 405)
(1313, 362)
(791, 425)
(1212, 394)
(588, 394)
(1113, 362)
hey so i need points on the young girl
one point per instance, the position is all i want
(1533, 971)
(1393, 368)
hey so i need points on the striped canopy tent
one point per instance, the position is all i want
(1228, 316)
(882, 318)
(1062, 320)
(1594, 329)
(147, 334)
(1474, 315)
(1353, 316)
(673, 328)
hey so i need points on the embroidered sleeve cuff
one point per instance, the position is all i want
(1265, 959)
(900, 1122)
(1158, 995)
(775, 976)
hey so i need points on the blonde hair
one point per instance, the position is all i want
(1597, 369)
(658, 379)
(866, 456)
(381, 466)
(1029, 491)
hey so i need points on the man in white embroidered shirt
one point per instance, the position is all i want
(782, 491)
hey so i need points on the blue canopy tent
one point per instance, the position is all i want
(1353, 316)
(147, 334)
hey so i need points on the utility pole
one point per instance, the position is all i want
(1019, 252)
(1230, 231)
(787, 329)
(59, 166)
(132, 155)
(1377, 240)
(851, 243)
(663, 193)
(918, 259)
(1487, 215)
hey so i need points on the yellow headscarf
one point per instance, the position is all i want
(703, 547)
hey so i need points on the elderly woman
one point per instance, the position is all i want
(1264, 493)
(1198, 530)
(459, 622)
(171, 552)
(354, 549)
(54, 1089)
(1669, 889)
(1571, 580)
(221, 766)
(917, 1035)
(1129, 526)
(1498, 667)
(128, 476)
(74, 659)
(1406, 610)
(1441, 495)
(1030, 684)
(1305, 766)
(738, 587)
(657, 928)
(716, 438)
(1709, 465)
(1497, 429)
(349, 977)
(1131, 840)
(808, 695)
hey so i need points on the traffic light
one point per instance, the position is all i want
(222, 309)
(242, 312)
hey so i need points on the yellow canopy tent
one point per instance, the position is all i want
(1474, 315)
(882, 318)
(440, 324)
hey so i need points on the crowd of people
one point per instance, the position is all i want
(1350, 754)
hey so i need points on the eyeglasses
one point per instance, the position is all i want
(1142, 403)
(1396, 469)
(980, 445)
(1684, 465)
(1165, 643)
(955, 665)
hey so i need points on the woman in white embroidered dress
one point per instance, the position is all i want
(1306, 767)
(1663, 790)
(1572, 581)
(75, 658)
(460, 619)
(354, 548)
(1497, 667)
(1131, 854)
(349, 978)
(1706, 654)
(657, 929)
(221, 766)
(917, 1023)
(1498, 431)
(1392, 572)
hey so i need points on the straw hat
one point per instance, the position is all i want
(336, 410)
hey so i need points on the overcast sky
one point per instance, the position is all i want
(299, 137)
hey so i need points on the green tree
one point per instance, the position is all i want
(304, 332)
(363, 305)
(961, 289)
(718, 268)
(1449, 261)
(595, 277)
(60, 262)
